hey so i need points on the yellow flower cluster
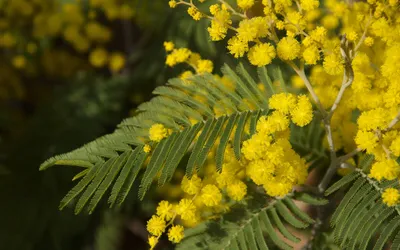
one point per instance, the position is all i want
(79, 24)
(299, 109)
(391, 197)
(272, 161)
(312, 38)
(200, 199)
(157, 132)
(184, 55)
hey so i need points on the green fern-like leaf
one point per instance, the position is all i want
(112, 163)
(254, 225)
(362, 220)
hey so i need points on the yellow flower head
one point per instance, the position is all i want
(210, 195)
(172, 3)
(204, 66)
(178, 56)
(283, 102)
(157, 132)
(309, 4)
(373, 119)
(191, 186)
(156, 225)
(164, 210)
(152, 241)
(311, 55)
(186, 209)
(288, 48)
(387, 169)
(19, 62)
(147, 148)
(276, 188)
(176, 233)
(302, 114)
(194, 13)
(369, 41)
(333, 64)
(261, 54)
(117, 62)
(395, 146)
(245, 4)
(237, 47)
(169, 46)
(237, 190)
(391, 196)
(220, 23)
(98, 57)
(366, 140)
(278, 121)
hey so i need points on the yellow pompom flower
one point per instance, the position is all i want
(191, 186)
(237, 47)
(220, 22)
(204, 66)
(278, 121)
(194, 13)
(260, 171)
(309, 4)
(369, 41)
(277, 189)
(152, 241)
(237, 190)
(391, 196)
(7, 40)
(366, 140)
(311, 55)
(318, 34)
(19, 62)
(178, 56)
(387, 169)
(157, 132)
(117, 62)
(210, 195)
(283, 102)
(395, 147)
(352, 36)
(280, 25)
(164, 210)
(302, 114)
(288, 48)
(147, 148)
(156, 225)
(186, 209)
(261, 54)
(333, 64)
(172, 4)
(169, 46)
(98, 57)
(176, 233)
(373, 119)
(245, 4)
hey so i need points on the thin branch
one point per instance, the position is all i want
(349, 155)
(364, 35)
(348, 78)
(393, 122)
(234, 12)
(302, 75)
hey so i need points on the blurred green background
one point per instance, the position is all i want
(59, 110)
